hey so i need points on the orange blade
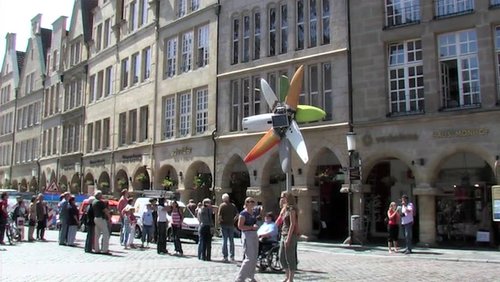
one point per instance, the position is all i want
(292, 99)
(269, 140)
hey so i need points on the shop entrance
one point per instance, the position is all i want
(464, 207)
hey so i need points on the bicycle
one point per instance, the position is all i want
(12, 232)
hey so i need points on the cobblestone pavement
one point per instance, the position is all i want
(47, 261)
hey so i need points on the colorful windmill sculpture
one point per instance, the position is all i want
(282, 123)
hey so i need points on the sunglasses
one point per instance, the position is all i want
(251, 201)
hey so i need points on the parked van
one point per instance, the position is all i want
(190, 223)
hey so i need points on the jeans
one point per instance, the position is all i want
(205, 242)
(408, 232)
(177, 240)
(147, 230)
(125, 232)
(250, 249)
(227, 234)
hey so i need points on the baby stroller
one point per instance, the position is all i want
(269, 256)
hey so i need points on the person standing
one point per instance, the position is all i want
(32, 219)
(42, 214)
(289, 234)
(227, 213)
(73, 221)
(90, 226)
(407, 212)
(122, 203)
(154, 205)
(3, 216)
(161, 245)
(192, 206)
(177, 219)
(63, 217)
(19, 216)
(147, 225)
(101, 217)
(204, 230)
(247, 223)
(393, 227)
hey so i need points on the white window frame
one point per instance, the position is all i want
(171, 67)
(300, 25)
(187, 51)
(283, 19)
(184, 114)
(144, 123)
(405, 77)
(169, 117)
(461, 47)
(201, 110)
(257, 30)
(272, 30)
(497, 54)
(400, 12)
(146, 63)
(325, 22)
(203, 45)
(246, 39)
(125, 73)
(452, 7)
(235, 46)
(135, 72)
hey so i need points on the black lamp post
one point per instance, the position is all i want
(351, 148)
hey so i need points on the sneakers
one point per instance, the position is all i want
(225, 260)
(407, 252)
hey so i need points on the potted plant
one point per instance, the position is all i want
(141, 177)
(167, 183)
(122, 183)
(105, 184)
(198, 181)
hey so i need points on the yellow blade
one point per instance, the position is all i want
(292, 99)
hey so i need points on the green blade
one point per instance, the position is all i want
(284, 85)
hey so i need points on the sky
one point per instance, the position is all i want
(16, 15)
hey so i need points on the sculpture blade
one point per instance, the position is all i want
(269, 140)
(284, 151)
(268, 93)
(297, 141)
(292, 99)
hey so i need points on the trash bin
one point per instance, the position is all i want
(355, 223)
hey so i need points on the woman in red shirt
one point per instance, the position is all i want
(176, 223)
(393, 226)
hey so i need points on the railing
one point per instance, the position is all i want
(447, 8)
(396, 16)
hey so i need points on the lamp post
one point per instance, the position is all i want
(351, 148)
(78, 170)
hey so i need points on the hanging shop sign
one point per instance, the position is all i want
(495, 198)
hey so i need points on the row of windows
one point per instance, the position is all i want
(135, 69)
(133, 128)
(459, 72)
(400, 12)
(5, 94)
(6, 123)
(247, 101)
(185, 53)
(74, 53)
(73, 94)
(71, 137)
(311, 27)
(5, 154)
(101, 84)
(102, 35)
(27, 150)
(52, 99)
(185, 7)
(179, 111)
(28, 116)
(98, 135)
(49, 141)
(29, 83)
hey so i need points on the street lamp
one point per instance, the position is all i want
(351, 148)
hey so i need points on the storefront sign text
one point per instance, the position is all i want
(182, 151)
(368, 139)
(96, 162)
(132, 158)
(467, 132)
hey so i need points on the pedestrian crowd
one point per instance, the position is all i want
(256, 228)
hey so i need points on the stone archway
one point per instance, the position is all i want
(168, 178)
(330, 207)
(63, 184)
(74, 186)
(33, 185)
(389, 178)
(198, 180)
(89, 184)
(237, 178)
(23, 185)
(103, 183)
(141, 180)
(121, 182)
(464, 205)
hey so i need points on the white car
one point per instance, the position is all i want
(190, 223)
